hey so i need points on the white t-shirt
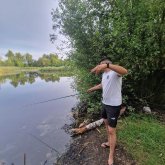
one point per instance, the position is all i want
(111, 86)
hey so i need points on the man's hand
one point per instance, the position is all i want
(96, 87)
(90, 90)
(99, 68)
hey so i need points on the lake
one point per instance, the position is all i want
(29, 129)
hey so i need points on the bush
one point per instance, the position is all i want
(131, 33)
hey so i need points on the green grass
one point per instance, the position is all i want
(14, 70)
(144, 137)
(52, 69)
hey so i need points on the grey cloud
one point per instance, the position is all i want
(26, 25)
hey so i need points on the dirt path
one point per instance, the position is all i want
(86, 150)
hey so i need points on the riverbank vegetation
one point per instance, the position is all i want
(132, 34)
(26, 60)
(15, 63)
(140, 141)
(4, 71)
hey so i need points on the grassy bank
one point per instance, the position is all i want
(53, 69)
(15, 70)
(144, 138)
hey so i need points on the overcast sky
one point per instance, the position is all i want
(25, 26)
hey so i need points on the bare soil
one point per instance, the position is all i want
(86, 150)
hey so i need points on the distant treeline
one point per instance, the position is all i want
(24, 60)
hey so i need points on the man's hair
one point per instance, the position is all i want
(107, 59)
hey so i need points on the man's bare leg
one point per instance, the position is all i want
(106, 126)
(112, 142)
(122, 110)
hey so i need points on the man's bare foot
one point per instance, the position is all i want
(110, 162)
(105, 145)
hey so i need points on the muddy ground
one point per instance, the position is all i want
(86, 150)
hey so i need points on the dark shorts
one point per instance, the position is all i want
(111, 113)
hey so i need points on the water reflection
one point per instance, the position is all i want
(23, 78)
(44, 121)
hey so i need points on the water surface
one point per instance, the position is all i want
(44, 121)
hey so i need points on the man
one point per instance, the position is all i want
(85, 126)
(111, 85)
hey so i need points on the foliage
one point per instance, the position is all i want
(10, 58)
(84, 80)
(28, 59)
(53, 69)
(131, 33)
(17, 59)
(1, 62)
(49, 60)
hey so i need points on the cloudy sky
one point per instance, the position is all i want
(25, 26)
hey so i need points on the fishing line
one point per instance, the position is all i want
(38, 139)
(41, 102)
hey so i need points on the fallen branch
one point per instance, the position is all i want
(85, 127)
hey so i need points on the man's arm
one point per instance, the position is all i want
(119, 69)
(99, 86)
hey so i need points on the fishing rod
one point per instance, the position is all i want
(38, 139)
(41, 102)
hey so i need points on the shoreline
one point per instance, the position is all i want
(85, 149)
(11, 70)
(131, 147)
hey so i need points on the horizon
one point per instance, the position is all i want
(34, 57)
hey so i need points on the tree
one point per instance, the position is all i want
(43, 61)
(131, 33)
(10, 58)
(19, 60)
(49, 60)
(1, 61)
(28, 59)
